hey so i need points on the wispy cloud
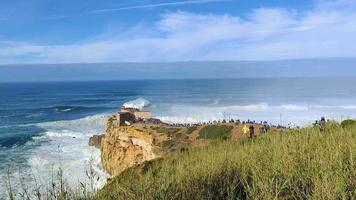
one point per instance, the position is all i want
(264, 34)
(154, 5)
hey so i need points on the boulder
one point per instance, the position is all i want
(95, 141)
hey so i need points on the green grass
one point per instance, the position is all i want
(171, 132)
(293, 164)
(348, 124)
(191, 129)
(215, 132)
(166, 144)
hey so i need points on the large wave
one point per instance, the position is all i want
(138, 103)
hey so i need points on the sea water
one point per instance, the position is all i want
(44, 126)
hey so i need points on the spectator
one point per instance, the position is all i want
(322, 124)
(252, 131)
(245, 129)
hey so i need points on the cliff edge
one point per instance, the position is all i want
(125, 146)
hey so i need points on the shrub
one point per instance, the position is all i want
(348, 123)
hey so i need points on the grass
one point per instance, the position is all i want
(55, 188)
(191, 129)
(171, 132)
(292, 164)
(166, 144)
(215, 132)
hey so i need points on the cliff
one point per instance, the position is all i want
(125, 146)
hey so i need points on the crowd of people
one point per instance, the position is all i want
(204, 123)
(264, 127)
(248, 126)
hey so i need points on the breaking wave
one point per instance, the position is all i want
(86, 124)
(64, 144)
(138, 103)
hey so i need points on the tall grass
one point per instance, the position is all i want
(292, 164)
(57, 187)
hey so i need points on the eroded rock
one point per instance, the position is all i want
(95, 141)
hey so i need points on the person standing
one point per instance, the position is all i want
(322, 124)
(252, 131)
(245, 129)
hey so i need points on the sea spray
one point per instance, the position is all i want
(299, 114)
(138, 103)
(63, 145)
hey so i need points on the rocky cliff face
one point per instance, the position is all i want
(123, 147)
(95, 141)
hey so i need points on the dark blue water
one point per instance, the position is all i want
(41, 123)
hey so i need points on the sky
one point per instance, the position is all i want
(300, 68)
(93, 31)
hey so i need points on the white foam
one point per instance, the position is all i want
(66, 110)
(91, 123)
(138, 103)
(65, 147)
(65, 134)
(278, 114)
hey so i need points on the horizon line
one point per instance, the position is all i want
(176, 79)
(173, 62)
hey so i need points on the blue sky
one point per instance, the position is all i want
(86, 31)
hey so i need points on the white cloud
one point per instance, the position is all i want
(154, 5)
(328, 30)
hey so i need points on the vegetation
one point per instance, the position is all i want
(292, 164)
(215, 132)
(171, 132)
(191, 129)
(57, 188)
(166, 143)
(348, 124)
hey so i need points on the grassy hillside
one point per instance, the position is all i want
(293, 164)
(215, 132)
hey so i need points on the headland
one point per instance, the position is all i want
(132, 137)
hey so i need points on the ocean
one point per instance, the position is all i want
(47, 125)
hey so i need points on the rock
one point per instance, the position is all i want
(95, 141)
(125, 147)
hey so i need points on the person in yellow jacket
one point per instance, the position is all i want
(245, 129)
